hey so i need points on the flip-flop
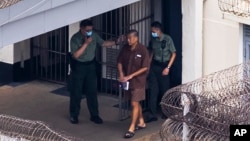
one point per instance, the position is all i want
(129, 134)
(140, 127)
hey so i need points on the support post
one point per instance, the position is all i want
(186, 104)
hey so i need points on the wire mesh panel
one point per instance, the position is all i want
(27, 130)
(215, 102)
(236, 7)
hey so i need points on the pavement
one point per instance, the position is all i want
(35, 100)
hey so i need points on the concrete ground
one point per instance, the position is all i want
(35, 101)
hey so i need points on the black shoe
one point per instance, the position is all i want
(147, 120)
(74, 120)
(96, 119)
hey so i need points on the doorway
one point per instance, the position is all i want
(172, 25)
(49, 56)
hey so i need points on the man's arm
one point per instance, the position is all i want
(140, 71)
(108, 43)
(120, 71)
(144, 67)
(81, 50)
(171, 61)
(120, 39)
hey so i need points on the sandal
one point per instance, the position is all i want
(138, 127)
(129, 134)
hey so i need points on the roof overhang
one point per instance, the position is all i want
(29, 18)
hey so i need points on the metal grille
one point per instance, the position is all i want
(49, 56)
(237, 7)
(7, 3)
(208, 106)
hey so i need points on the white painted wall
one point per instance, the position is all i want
(222, 40)
(73, 28)
(14, 53)
(211, 41)
(192, 40)
(22, 51)
(7, 53)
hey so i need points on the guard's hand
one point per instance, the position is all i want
(88, 40)
(121, 39)
(165, 72)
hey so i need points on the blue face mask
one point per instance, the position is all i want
(154, 34)
(89, 33)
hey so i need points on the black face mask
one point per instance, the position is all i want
(163, 44)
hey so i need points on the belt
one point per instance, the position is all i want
(85, 63)
(158, 63)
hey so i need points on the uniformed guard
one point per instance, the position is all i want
(163, 54)
(83, 46)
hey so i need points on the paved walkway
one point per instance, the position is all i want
(35, 101)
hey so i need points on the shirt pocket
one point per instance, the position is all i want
(138, 61)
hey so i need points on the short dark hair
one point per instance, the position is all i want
(157, 24)
(134, 32)
(85, 23)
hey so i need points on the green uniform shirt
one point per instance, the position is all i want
(165, 42)
(77, 41)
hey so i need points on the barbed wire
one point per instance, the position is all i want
(7, 3)
(14, 127)
(215, 101)
(237, 7)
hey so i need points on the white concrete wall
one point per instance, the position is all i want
(192, 40)
(222, 40)
(22, 51)
(73, 28)
(211, 42)
(14, 53)
(7, 54)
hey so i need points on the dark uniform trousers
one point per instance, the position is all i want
(158, 85)
(84, 77)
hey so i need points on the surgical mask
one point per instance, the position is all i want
(154, 34)
(89, 33)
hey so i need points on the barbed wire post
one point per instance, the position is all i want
(186, 105)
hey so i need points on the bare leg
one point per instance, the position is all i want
(141, 119)
(134, 115)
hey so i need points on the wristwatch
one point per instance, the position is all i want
(168, 67)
